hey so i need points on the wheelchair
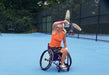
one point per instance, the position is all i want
(49, 56)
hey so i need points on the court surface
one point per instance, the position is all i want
(20, 54)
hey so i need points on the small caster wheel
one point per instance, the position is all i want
(68, 69)
(58, 70)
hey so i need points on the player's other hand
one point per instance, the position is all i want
(76, 26)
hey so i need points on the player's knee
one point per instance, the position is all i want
(64, 51)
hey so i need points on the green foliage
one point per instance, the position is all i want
(2, 7)
(15, 22)
(23, 25)
(15, 15)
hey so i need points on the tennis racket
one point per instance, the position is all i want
(70, 28)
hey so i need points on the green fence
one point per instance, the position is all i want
(91, 15)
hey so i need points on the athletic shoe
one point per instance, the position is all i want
(63, 67)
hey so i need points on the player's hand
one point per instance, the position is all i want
(65, 21)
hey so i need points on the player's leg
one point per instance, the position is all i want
(64, 54)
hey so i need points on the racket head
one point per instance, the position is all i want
(67, 15)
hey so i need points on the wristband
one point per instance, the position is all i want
(62, 22)
(66, 48)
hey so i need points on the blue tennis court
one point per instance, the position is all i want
(20, 54)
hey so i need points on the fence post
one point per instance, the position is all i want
(46, 23)
(80, 16)
(98, 19)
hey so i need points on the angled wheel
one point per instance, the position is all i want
(46, 59)
(68, 61)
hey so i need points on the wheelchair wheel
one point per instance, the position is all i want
(68, 61)
(46, 59)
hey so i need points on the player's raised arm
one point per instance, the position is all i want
(55, 24)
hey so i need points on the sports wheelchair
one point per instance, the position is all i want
(49, 56)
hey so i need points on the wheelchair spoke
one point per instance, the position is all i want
(47, 59)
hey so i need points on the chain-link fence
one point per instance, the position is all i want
(92, 16)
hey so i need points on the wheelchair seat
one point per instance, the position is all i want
(57, 55)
